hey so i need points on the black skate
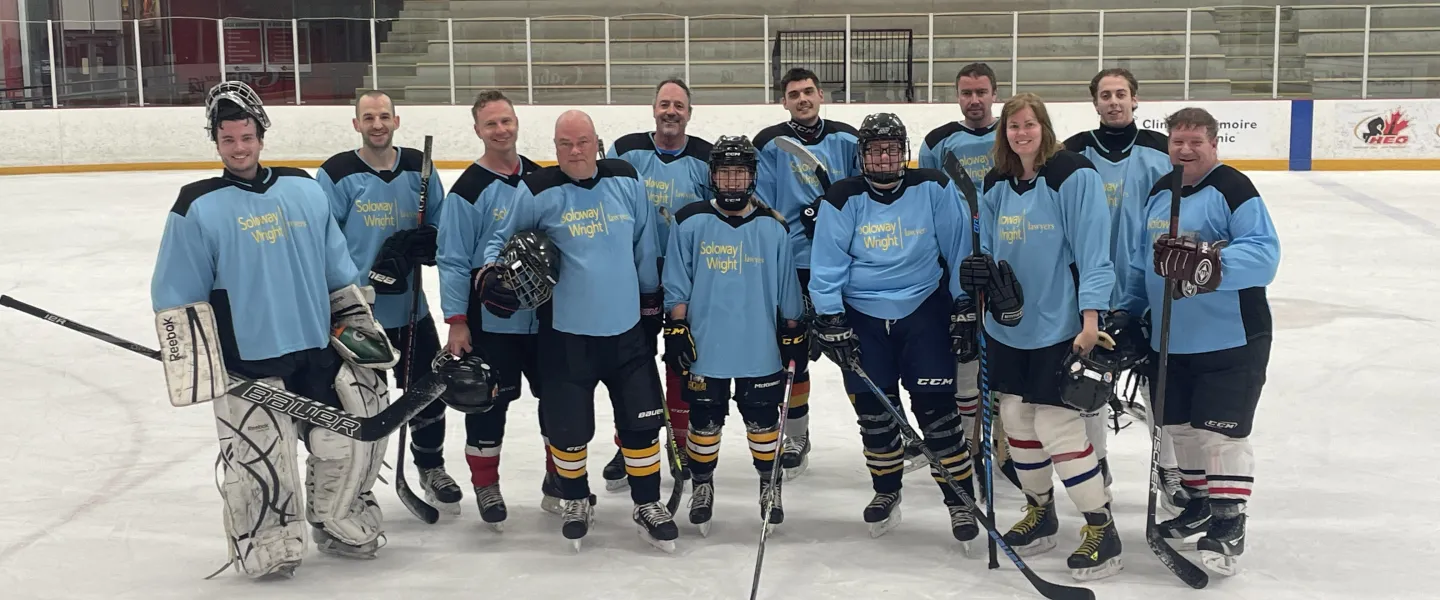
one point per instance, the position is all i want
(883, 513)
(1194, 520)
(492, 506)
(657, 527)
(771, 497)
(962, 524)
(550, 495)
(1035, 533)
(1098, 556)
(702, 505)
(795, 455)
(576, 517)
(1174, 496)
(441, 490)
(1222, 546)
(614, 473)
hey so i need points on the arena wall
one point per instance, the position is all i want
(1265, 134)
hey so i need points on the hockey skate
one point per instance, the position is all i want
(1194, 520)
(550, 501)
(883, 513)
(441, 491)
(769, 495)
(1098, 556)
(1173, 496)
(963, 527)
(657, 527)
(1034, 534)
(577, 516)
(492, 506)
(795, 455)
(1222, 546)
(614, 473)
(702, 504)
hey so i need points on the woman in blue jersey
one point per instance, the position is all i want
(1046, 275)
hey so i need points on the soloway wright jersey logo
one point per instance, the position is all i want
(884, 235)
(726, 258)
(1012, 229)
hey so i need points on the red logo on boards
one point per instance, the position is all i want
(1384, 129)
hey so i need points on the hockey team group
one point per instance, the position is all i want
(1013, 285)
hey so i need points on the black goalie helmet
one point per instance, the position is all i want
(1088, 383)
(884, 143)
(532, 267)
(470, 382)
(232, 100)
(732, 151)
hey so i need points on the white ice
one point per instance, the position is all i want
(106, 491)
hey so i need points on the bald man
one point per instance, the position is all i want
(598, 217)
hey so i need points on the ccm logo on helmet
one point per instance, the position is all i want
(934, 381)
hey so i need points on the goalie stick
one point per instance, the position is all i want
(421, 509)
(319, 414)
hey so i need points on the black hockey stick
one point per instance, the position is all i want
(962, 180)
(1182, 567)
(413, 503)
(319, 414)
(677, 490)
(1053, 591)
(775, 469)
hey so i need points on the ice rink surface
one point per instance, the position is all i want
(106, 491)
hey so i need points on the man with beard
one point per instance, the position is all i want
(374, 196)
(674, 167)
(1130, 160)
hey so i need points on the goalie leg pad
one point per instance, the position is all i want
(259, 485)
(190, 347)
(355, 334)
(341, 470)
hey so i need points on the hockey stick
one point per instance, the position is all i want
(1182, 567)
(421, 509)
(774, 479)
(365, 429)
(677, 490)
(810, 161)
(1053, 591)
(962, 180)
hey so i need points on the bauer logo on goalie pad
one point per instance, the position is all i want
(323, 416)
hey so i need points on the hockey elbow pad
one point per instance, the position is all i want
(1006, 300)
(355, 333)
(190, 349)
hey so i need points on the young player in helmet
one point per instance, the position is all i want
(734, 309)
(875, 281)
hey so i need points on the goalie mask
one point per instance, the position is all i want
(884, 148)
(732, 171)
(470, 383)
(1088, 382)
(532, 267)
(234, 100)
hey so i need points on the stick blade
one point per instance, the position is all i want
(1187, 571)
(794, 148)
(962, 180)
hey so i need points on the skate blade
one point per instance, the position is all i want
(279, 572)
(615, 485)
(1221, 564)
(497, 527)
(1037, 547)
(704, 529)
(575, 546)
(1100, 571)
(445, 508)
(346, 551)
(666, 546)
(883, 527)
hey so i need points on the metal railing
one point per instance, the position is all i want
(1325, 51)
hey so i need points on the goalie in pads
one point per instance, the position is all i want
(253, 276)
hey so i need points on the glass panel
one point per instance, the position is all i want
(182, 60)
(334, 60)
(961, 39)
(1330, 51)
(644, 51)
(413, 61)
(260, 53)
(1404, 59)
(488, 55)
(815, 43)
(97, 63)
(727, 60)
(23, 84)
(569, 60)
(1246, 36)
(1151, 44)
(1058, 53)
(887, 56)
(1209, 57)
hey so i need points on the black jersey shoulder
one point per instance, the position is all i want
(708, 210)
(695, 147)
(1079, 142)
(698, 149)
(411, 160)
(343, 165)
(1234, 186)
(832, 126)
(290, 172)
(614, 167)
(1154, 140)
(630, 142)
(939, 134)
(528, 166)
(1061, 166)
(552, 177)
(992, 177)
(474, 181)
(1162, 184)
(196, 190)
(919, 176)
(845, 189)
(769, 133)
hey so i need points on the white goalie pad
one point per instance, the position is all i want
(190, 350)
(259, 485)
(343, 470)
(355, 334)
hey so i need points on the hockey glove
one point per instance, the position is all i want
(1195, 266)
(975, 273)
(962, 331)
(651, 307)
(837, 340)
(417, 244)
(679, 346)
(1004, 297)
(794, 347)
(497, 298)
(391, 272)
(355, 334)
(807, 217)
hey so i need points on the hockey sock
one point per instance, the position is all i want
(944, 433)
(880, 435)
(1229, 467)
(1190, 455)
(484, 461)
(484, 432)
(1096, 431)
(1062, 431)
(642, 464)
(703, 447)
(570, 465)
(427, 436)
(549, 457)
(762, 423)
(678, 407)
(1032, 463)
(797, 422)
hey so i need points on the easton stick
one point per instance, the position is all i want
(421, 509)
(364, 429)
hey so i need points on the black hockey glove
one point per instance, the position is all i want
(794, 347)
(679, 346)
(652, 320)
(1004, 297)
(975, 273)
(962, 331)
(1194, 265)
(494, 295)
(391, 272)
(807, 217)
(418, 244)
(837, 340)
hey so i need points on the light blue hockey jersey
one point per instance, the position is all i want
(975, 148)
(1224, 206)
(1129, 161)
(880, 251)
(370, 206)
(473, 211)
(604, 228)
(778, 175)
(266, 254)
(671, 180)
(1054, 231)
(736, 276)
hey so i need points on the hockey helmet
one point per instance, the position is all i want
(1087, 382)
(532, 267)
(1131, 336)
(732, 151)
(470, 382)
(233, 100)
(891, 159)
